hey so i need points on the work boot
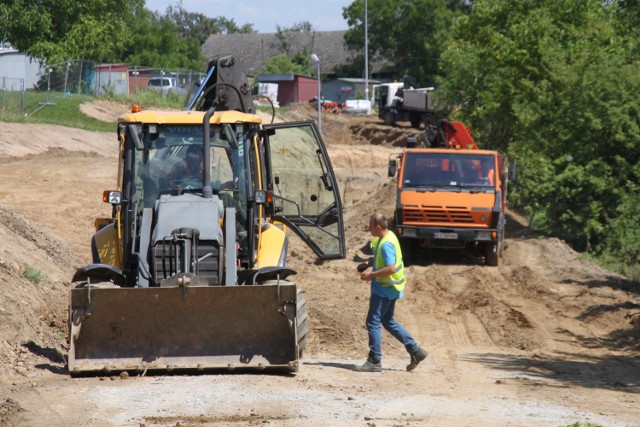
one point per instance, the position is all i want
(368, 366)
(416, 358)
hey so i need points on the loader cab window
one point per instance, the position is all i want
(173, 156)
(305, 193)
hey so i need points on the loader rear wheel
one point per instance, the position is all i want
(302, 323)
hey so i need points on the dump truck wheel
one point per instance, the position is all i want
(388, 118)
(406, 245)
(415, 121)
(491, 256)
(302, 324)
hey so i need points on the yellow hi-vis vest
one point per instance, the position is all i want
(397, 279)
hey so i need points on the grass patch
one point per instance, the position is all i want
(57, 108)
(33, 274)
(152, 99)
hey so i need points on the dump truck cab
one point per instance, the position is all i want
(190, 272)
(451, 196)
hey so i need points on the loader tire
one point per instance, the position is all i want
(302, 322)
(302, 318)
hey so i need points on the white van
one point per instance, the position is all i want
(165, 84)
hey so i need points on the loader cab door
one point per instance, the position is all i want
(306, 196)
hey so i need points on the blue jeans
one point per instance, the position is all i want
(381, 313)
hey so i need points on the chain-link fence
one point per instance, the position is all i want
(35, 89)
(12, 94)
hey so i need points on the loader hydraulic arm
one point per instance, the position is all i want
(225, 88)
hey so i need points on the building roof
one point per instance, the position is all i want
(276, 77)
(255, 48)
(9, 51)
(356, 80)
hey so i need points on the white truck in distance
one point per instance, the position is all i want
(398, 102)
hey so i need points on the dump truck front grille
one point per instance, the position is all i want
(168, 259)
(448, 214)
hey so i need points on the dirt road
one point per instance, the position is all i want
(545, 339)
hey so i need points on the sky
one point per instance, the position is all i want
(324, 15)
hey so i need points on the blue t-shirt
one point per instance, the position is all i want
(389, 258)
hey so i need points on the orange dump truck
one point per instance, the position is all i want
(451, 194)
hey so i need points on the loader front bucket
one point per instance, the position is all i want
(182, 328)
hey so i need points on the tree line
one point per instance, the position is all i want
(552, 83)
(110, 31)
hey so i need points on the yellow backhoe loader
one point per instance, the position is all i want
(190, 272)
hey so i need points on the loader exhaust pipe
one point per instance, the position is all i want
(207, 191)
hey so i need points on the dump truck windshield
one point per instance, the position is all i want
(173, 157)
(448, 169)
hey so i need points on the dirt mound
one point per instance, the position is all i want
(104, 110)
(35, 267)
(347, 129)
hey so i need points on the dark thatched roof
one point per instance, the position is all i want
(256, 48)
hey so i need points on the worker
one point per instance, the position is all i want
(190, 168)
(488, 172)
(387, 286)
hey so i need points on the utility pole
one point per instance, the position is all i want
(316, 60)
(366, 52)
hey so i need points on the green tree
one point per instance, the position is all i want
(293, 58)
(409, 34)
(63, 29)
(282, 64)
(622, 251)
(110, 31)
(553, 83)
(199, 26)
(155, 41)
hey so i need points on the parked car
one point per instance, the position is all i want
(165, 84)
(324, 102)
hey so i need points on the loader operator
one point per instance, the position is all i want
(189, 169)
(387, 285)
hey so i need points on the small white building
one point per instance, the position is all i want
(18, 71)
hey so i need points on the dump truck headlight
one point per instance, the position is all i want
(483, 235)
(410, 232)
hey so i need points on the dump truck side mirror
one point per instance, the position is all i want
(392, 168)
(412, 141)
(512, 172)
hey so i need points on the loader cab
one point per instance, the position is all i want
(162, 187)
(275, 174)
